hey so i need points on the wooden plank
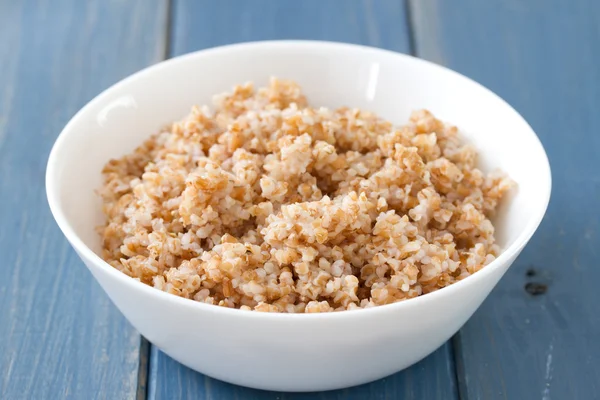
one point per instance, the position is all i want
(201, 24)
(432, 378)
(61, 336)
(542, 56)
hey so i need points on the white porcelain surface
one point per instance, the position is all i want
(310, 351)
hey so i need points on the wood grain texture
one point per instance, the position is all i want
(60, 337)
(201, 24)
(432, 378)
(542, 56)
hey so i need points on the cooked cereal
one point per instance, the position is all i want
(268, 204)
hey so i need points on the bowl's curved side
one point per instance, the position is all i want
(290, 354)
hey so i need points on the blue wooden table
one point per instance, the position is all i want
(60, 337)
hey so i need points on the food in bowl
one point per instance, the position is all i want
(269, 204)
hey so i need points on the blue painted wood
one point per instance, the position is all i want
(201, 24)
(542, 56)
(432, 378)
(60, 337)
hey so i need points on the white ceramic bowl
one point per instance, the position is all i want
(302, 352)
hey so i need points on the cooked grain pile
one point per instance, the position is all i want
(269, 204)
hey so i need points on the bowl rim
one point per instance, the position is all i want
(85, 252)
